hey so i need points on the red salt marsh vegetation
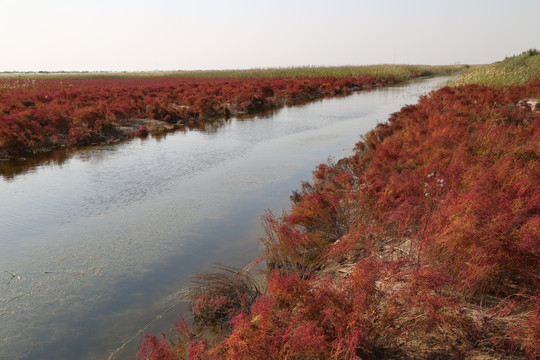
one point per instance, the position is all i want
(424, 244)
(42, 113)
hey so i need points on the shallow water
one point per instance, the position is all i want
(96, 244)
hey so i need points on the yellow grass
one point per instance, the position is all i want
(515, 70)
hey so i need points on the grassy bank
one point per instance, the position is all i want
(511, 71)
(422, 245)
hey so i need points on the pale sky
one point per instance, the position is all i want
(136, 35)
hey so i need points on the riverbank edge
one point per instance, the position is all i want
(411, 278)
(130, 128)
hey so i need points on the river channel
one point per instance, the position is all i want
(95, 245)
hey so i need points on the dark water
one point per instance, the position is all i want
(95, 245)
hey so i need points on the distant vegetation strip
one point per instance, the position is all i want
(398, 72)
(39, 115)
(514, 70)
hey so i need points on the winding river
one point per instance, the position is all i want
(96, 244)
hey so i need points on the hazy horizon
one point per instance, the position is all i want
(165, 35)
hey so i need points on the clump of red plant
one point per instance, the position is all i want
(141, 132)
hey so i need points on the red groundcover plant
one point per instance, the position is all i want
(38, 115)
(423, 244)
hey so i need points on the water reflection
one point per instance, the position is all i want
(11, 168)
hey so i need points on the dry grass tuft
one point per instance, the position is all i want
(219, 296)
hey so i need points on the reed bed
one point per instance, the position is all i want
(514, 70)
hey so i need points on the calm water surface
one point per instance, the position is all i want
(95, 245)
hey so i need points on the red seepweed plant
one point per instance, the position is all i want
(423, 244)
(39, 115)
